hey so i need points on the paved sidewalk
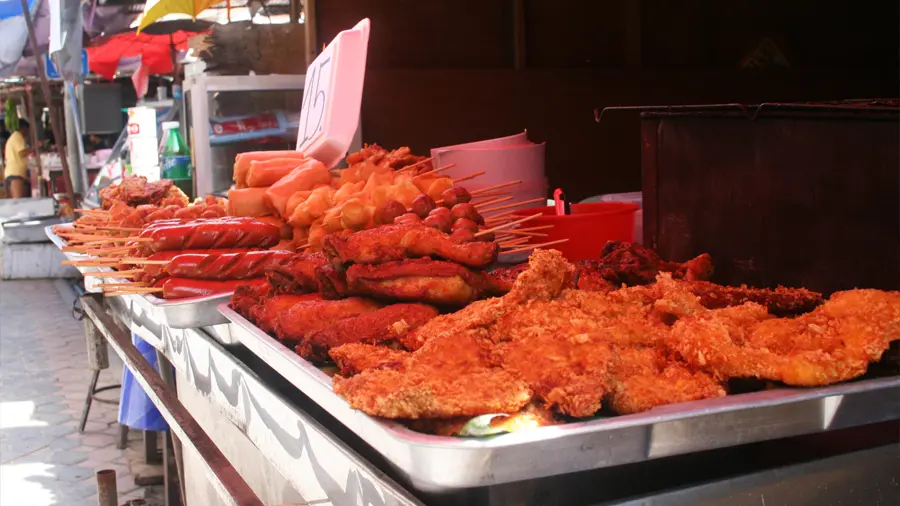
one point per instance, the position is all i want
(43, 383)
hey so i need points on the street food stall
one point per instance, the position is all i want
(403, 331)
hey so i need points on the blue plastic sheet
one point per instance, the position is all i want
(135, 408)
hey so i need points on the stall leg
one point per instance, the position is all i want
(98, 360)
(166, 371)
(107, 492)
(122, 443)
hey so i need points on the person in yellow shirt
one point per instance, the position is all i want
(16, 158)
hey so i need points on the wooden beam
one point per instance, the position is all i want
(309, 15)
(519, 44)
(633, 34)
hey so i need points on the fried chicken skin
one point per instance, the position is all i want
(423, 279)
(383, 326)
(297, 276)
(304, 318)
(779, 301)
(642, 378)
(835, 342)
(448, 377)
(399, 242)
(266, 313)
(355, 358)
(568, 372)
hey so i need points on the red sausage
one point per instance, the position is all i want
(227, 266)
(155, 271)
(214, 234)
(182, 288)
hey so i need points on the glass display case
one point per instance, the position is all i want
(227, 115)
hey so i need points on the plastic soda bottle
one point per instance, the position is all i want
(175, 157)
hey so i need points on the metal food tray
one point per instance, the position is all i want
(197, 312)
(437, 463)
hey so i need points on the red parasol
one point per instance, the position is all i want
(157, 52)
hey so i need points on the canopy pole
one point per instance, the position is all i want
(54, 117)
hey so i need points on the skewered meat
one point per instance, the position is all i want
(398, 242)
(226, 266)
(305, 318)
(297, 276)
(210, 234)
(136, 190)
(384, 326)
(183, 288)
(425, 280)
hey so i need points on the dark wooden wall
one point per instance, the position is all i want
(442, 72)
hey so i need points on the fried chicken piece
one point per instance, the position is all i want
(643, 378)
(448, 377)
(549, 273)
(426, 280)
(266, 312)
(304, 318)
(780, 301)
(398, 242)
(332, 282)
(567, 371)
(246, 297)
(298, 276)
(835, 342)
(355, 358)
(384, 326)
(633, 264)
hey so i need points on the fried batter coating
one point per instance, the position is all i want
(448, 377)
(568, 372)
(355, 358)
(835, 342)
(643, 378)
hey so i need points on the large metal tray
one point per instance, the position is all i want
(198, 312)
(435, 463)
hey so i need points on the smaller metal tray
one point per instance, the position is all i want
(436, 463)
(198, 312)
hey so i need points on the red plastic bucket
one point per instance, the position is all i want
(587, 229)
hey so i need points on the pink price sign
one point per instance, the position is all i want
(332, 96)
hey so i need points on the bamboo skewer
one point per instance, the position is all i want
(489, 195)
(534, 246)
(135, 284)
(133, 291)
(491, 202)
(508, 206)
(498, 227)
(108, 251)
(414, 165)
(514, 242)
(142, 261)
(494, 187)
(435, 171)
(517, 233)
(499, 217)
(113, 274)
(470, 176)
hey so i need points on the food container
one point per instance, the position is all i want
(587, 229)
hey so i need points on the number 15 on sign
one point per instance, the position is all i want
(332, 96)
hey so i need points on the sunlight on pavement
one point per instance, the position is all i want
(14, 415)
(20, 487)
